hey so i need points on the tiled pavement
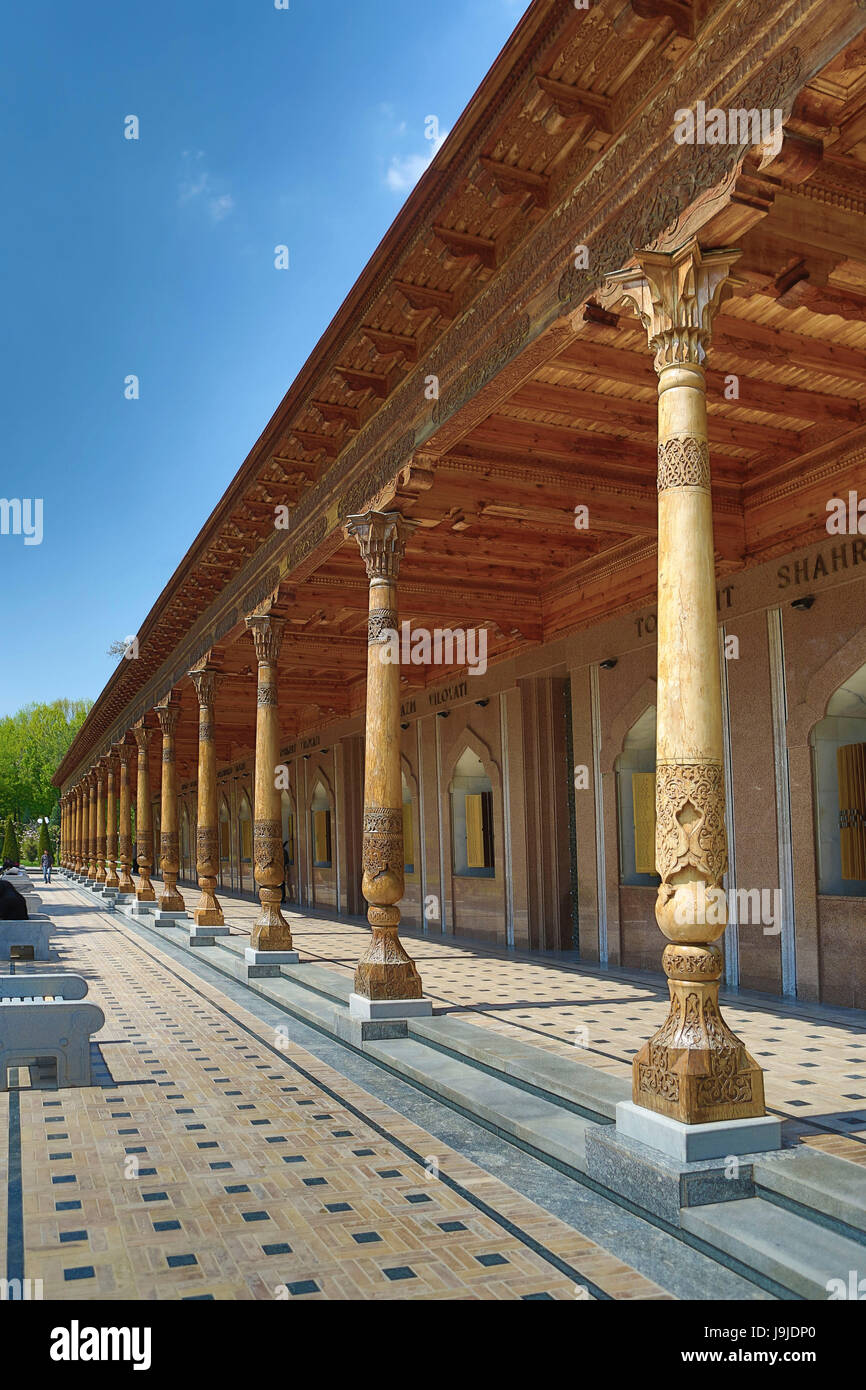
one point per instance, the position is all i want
(814, 1057)
(218, 1160)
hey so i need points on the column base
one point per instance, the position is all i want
(164, 918)
(362, 1007)
(208, 917)
(206, 936)
(695, 1143)
(172, 902)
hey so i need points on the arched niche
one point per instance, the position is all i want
(838, 743)
(321, 830)
(473, 837)
(635, 767)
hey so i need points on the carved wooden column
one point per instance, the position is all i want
(65, 835)
(271, 931)
(100, 821)
(694, 1069)
(111, 879)
(208, 912)
(386, 978)
(144, 893)
(170, 899)
(91, 826)
(126, 884)
(79, 828)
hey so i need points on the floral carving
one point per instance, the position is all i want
(684, 461)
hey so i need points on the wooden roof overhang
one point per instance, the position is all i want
(546, 398)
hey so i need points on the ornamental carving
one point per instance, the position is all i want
(684, 461)
(383, 820)
(700, 843)
(267, 846)
(168, 716)
(168, 845)
(381, 621)
(124, 848)
(267, 635)
(206, 681)
(207, 849)
(266, 695)
(381, 538)
(498, 356)
(205, 731)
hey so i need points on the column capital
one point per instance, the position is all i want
(207, 680)
(123, 752)
(677, 295)
(168, 713)
(267, 635)
(381, 538)
(142, 733)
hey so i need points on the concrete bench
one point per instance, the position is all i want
(41, 1017)
(34, 931)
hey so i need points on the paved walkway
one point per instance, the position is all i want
(814, 1057)
(216, 1159)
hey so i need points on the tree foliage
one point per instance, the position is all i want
(33, 743)
(11, 852)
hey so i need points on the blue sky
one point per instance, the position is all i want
(155, 257)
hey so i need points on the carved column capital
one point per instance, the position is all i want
(207, 680)
(677, 295)
(168, 715)
(381, 538)
(142, 734)
(267, 635)
(124, 753)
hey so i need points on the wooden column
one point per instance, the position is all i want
(143, 818)
(170, 899)
(208, 911)
(384, 971)
(79, 829)
(124, 834)
(111, 879)
(100, 821)
(91, 826)
(694, 1069)
(271, 931)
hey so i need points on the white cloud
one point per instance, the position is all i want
(404, 171)
(197, 183)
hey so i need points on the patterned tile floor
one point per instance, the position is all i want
(213, 1159)
(814, 1057)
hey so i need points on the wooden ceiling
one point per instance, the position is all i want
(573, 420)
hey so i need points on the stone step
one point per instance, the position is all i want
(507, 1109)
(819, 1182)
(800, 1255)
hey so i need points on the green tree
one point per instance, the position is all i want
(33, 743)
(10, 843)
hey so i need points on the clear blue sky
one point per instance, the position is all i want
(155, 257)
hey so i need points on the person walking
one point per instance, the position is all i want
(46, 866)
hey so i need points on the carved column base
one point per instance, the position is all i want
(100, 874)
(111, 879)
(145, 892)
(170, 899)
(208, 912)
(271, 931)
(694, 1069)
(385, 971)
(126, 883)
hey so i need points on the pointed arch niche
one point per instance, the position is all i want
(473, 832)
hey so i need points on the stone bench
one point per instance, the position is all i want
(34, 931)
(42, 1016)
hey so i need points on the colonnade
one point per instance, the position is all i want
(694, 1069)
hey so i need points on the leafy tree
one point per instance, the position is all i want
(10, 843)
(33, 743)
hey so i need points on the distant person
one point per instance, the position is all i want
(285, 870)
(46, 866)
(13, 907)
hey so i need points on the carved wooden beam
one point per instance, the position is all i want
(422, 298)
(391, 344)
(574, 102)
(464, 245)
(314, 443)
(365, 381)
(520, 181)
